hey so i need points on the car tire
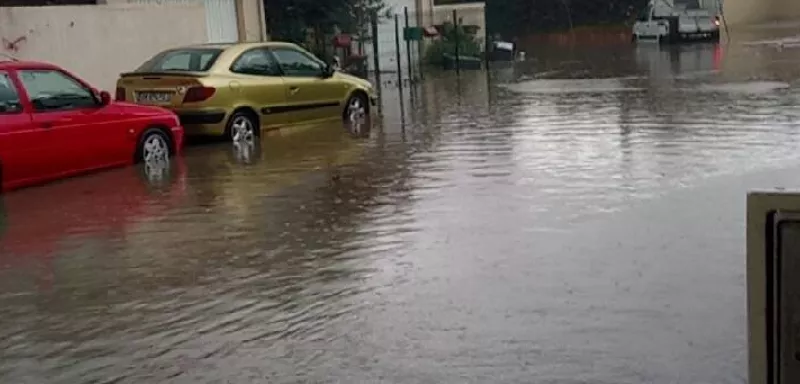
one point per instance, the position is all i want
(154, 145)
(356, 114)
(242, 125)
(715, 36)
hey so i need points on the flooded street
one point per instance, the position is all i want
(577, 219)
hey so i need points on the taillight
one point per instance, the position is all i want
(195, 94)
(120, 96)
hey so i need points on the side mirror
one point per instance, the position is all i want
(327, 71)
(105, 98)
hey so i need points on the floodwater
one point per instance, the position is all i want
(576, 219)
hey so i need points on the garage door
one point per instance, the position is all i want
(221, 21)
(221, 25)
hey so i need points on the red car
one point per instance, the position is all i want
(54, 125)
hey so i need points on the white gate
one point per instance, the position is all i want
(387, 51)
(221, 23)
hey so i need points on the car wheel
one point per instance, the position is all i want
(355, 114)
(242, 126)
(154, 146)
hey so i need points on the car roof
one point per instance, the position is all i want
(238, 46)
(25, 64)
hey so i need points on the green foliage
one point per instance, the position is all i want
(293, 20)
(451, 37)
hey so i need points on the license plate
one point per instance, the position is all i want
(153, 97)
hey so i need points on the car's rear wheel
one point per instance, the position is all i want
(242, 126)
(356, 114)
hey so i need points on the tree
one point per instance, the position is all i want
(291, 20)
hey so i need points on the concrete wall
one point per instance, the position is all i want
(251, 20)
(99, 42)
(744, 12)
(784, 10)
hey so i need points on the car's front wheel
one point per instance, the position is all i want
(356, 114)
(154, 146)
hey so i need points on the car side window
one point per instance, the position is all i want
(9, 97)
(52, 90)
(256, 62)
(295, 63)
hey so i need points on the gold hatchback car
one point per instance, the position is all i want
(240, 89)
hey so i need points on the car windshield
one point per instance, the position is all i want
(187, 59)
(687, 4)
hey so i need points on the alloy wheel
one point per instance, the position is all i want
(242, 129)
(356, 114)
(155, 149)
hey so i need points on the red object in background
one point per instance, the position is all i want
(81, 135)
(342, 40)
(718, 57)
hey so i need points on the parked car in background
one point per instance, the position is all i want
(54, 125)
(672, 21)
(238, 90)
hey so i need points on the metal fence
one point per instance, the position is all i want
(399, 47)
(405, 45)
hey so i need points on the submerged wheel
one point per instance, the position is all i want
(356, 114)
(154, 146)
(154, 151)
(242, 126)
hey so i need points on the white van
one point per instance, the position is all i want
(672, 21)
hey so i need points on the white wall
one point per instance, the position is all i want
(99, 42)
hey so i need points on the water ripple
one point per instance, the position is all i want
(449, 246)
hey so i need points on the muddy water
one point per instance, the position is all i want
(533, 226)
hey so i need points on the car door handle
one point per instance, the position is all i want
(46, 124)
(293, 90)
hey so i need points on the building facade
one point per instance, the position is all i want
(102, 39)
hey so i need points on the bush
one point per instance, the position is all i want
(468, 45)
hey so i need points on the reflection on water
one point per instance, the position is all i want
(468, 238)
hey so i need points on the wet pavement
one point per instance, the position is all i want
(578, 219)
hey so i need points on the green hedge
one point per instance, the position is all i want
(468, 45)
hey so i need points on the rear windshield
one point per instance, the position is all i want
(688, 4)
(191, 59)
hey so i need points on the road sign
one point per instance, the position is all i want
(773, 287)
